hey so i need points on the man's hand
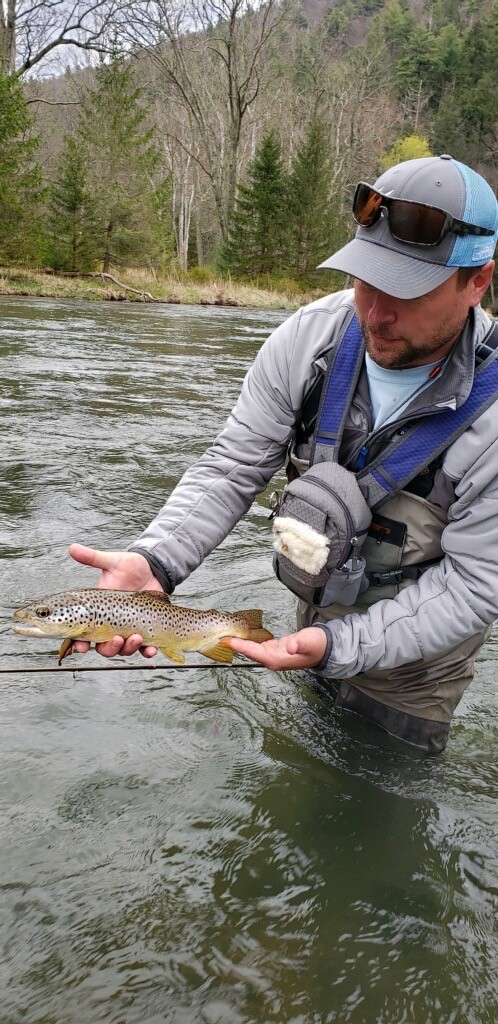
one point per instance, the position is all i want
(121, 570)
(304, 649)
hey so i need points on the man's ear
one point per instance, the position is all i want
(480, 283)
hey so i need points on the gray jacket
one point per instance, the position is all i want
(453, 600)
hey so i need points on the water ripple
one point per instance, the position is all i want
(221, 848)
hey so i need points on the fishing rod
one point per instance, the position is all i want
(121, 668)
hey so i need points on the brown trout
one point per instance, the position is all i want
(98, 615)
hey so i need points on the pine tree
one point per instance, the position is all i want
(310, 211)
(122, 161)
(73, 220)
(20, 179)
(257, 237)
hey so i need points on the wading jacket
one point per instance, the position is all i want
(454, 599)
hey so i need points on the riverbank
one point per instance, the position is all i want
(140, 286)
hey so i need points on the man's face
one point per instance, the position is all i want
(411, 332)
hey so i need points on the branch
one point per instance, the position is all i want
(108, 277)
(36, 50)
(54, 103)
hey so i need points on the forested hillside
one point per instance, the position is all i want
(227, 135)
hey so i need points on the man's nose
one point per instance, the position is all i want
(382, 309)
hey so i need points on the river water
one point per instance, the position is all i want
(206, 846)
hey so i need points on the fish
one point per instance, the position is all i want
(97, 615)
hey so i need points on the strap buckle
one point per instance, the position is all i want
(381, 579)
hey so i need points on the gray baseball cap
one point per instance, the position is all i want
(408, 271)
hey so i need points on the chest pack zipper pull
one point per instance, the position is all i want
(274, 503)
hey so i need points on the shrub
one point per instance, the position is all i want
(202, 275)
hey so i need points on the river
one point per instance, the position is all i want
(206, 847)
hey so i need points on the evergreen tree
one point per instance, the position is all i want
(20, 179)
(256, 241)
(122, 161)
(310, 212)
(465, 121)
(73, 221)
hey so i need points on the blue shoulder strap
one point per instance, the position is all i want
(339, 385)
(410, 451)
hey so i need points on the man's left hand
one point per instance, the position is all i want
(303, 649)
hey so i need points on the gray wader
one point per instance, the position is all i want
(414, 702)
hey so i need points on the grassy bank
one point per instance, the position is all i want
(140, 286)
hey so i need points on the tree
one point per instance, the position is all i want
(73, 219)
(258, 234)
(310, 213)
(32, 30)
(411, 147)
(20, 178)
(122, 160)
(212, 58)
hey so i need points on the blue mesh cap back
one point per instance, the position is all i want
(481, 208)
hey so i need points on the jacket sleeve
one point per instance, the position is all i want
(453, 600)
(216, 492)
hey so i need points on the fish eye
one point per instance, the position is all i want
(42, 612)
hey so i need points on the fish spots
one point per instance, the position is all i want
(99, 614)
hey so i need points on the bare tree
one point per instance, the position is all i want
(210, 57)
(32, 30)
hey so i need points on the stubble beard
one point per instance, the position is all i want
(404, 353)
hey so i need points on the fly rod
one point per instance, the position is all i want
(121, 668)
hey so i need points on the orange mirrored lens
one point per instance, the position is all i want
(367, 205)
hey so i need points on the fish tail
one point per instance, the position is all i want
(251, 620)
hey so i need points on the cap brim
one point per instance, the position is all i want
(391, 272)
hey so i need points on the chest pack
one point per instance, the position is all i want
(324, 514)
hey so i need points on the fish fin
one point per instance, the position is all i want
(219, 651)
(258, 636)
(66, 649)
(173, 652)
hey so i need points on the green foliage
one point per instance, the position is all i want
(451, 54)
(278, 282)
(465, 117)
(310, 211)
(423, 80)
(411, 147)
(336, 24)
(122, 160)
(162, 240)
(257, 239)
(20, 179)
(202, 275)
(73, 221)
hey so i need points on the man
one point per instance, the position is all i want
(403, 655)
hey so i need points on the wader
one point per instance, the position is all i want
(413, 702)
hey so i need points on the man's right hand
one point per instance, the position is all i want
(121, 570)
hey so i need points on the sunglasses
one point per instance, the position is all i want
(415, 223)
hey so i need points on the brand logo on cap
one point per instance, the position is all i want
(482, 252)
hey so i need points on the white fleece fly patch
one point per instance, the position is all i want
(300, 543)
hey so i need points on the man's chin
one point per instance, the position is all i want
(390, 353)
